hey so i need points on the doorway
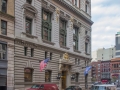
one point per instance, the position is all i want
(3, 83)
(64, 74)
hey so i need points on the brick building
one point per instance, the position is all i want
(115, 69)
(101, 71)
(96, 71)
(105, 71)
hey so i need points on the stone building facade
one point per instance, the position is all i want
(7, 44)
(55, 29)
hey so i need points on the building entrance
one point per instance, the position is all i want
(64, 73)
(3, 83)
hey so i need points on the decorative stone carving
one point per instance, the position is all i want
(71, 25)
(29, 9)
(47, 6)
(66, 56)
(57, 14)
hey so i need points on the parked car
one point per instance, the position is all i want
(44, 87)
(74, 88)
(104, 87)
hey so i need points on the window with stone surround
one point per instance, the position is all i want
(3, 27)
(28, 25)
(63, 33)
(48, 75)
(3, 51)
(46, 25)
(4, 6)
(28, 73)
(87, 6)
(75, 38)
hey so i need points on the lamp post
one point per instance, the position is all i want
(59, 76)
(86, 84)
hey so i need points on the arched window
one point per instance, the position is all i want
(48, 75)
(28, 72)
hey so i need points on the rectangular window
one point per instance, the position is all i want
(3, 51)
(77, 77)
(3, 27)
(45, 54)
(28, 72)
(47, 76)
(50, 56)
(86, 32)
(86, 47)
(76, 2)
(32, 52)
(75, 38)
(78, 62)
(4, 6)
(63, 32)
(28, 25)
(25, 51)
(86, 8)
(46, 25)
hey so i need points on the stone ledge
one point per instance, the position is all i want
(64, 47)
(7, 16)
(29, 35)
(77, 51)
(48, 42)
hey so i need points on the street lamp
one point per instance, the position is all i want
(59, 76)
(73, 76)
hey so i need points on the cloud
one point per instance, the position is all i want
(96, 2)
(106, 10)
(105, 15)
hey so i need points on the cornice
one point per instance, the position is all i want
(75, 11)
(6, 37)
(47, 48)
(5, 15)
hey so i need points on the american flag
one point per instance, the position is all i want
(43, 64)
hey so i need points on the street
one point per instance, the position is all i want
(118, 88)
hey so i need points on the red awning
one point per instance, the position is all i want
(115, 75)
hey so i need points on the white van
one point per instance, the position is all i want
(104, 87)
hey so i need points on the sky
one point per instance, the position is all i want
(106, 18)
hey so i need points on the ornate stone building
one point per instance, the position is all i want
(55, 29)
(7, 44)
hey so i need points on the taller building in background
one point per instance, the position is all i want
(103, 54)
(50, 28)
(117, 43)
(7, 44)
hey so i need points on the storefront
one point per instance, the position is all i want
(104, 81)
